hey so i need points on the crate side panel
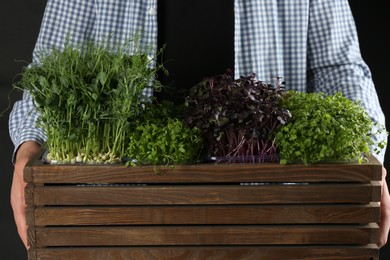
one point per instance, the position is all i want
(207, 215)
(225, 253)
(365, 172)
(208, 235)
(206, 194)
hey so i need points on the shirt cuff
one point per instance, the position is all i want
(35, 135)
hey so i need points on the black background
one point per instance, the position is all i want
(19, 26)
(185, 33)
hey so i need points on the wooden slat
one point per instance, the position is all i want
(28, 194)
(32, 254)
(222, 253)
(266, 172)
(206, 194)
(208, 235)
(29, 199)
(31, 238)
(195, 215)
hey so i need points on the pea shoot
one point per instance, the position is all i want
(86, 96)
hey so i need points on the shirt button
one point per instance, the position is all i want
(152, 11)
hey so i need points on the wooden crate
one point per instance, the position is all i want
(205, 211)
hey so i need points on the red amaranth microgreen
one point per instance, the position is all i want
(238, 117)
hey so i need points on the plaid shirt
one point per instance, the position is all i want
(313, 44)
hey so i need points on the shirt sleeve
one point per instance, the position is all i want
(22, 123)
(335, 62)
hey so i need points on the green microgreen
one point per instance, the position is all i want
(160, 137)
(86, 95)
(324, 128)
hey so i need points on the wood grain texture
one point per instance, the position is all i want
(208, 215)
(206, 194)
(207, 235)
(217, 253)
(268, 172)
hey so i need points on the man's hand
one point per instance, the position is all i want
(384, 225)
(26, 151)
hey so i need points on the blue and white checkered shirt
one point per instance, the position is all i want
(313, 44)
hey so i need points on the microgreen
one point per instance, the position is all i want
(238, 117)
(324, 128)
(86, 95)
(159, 136)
